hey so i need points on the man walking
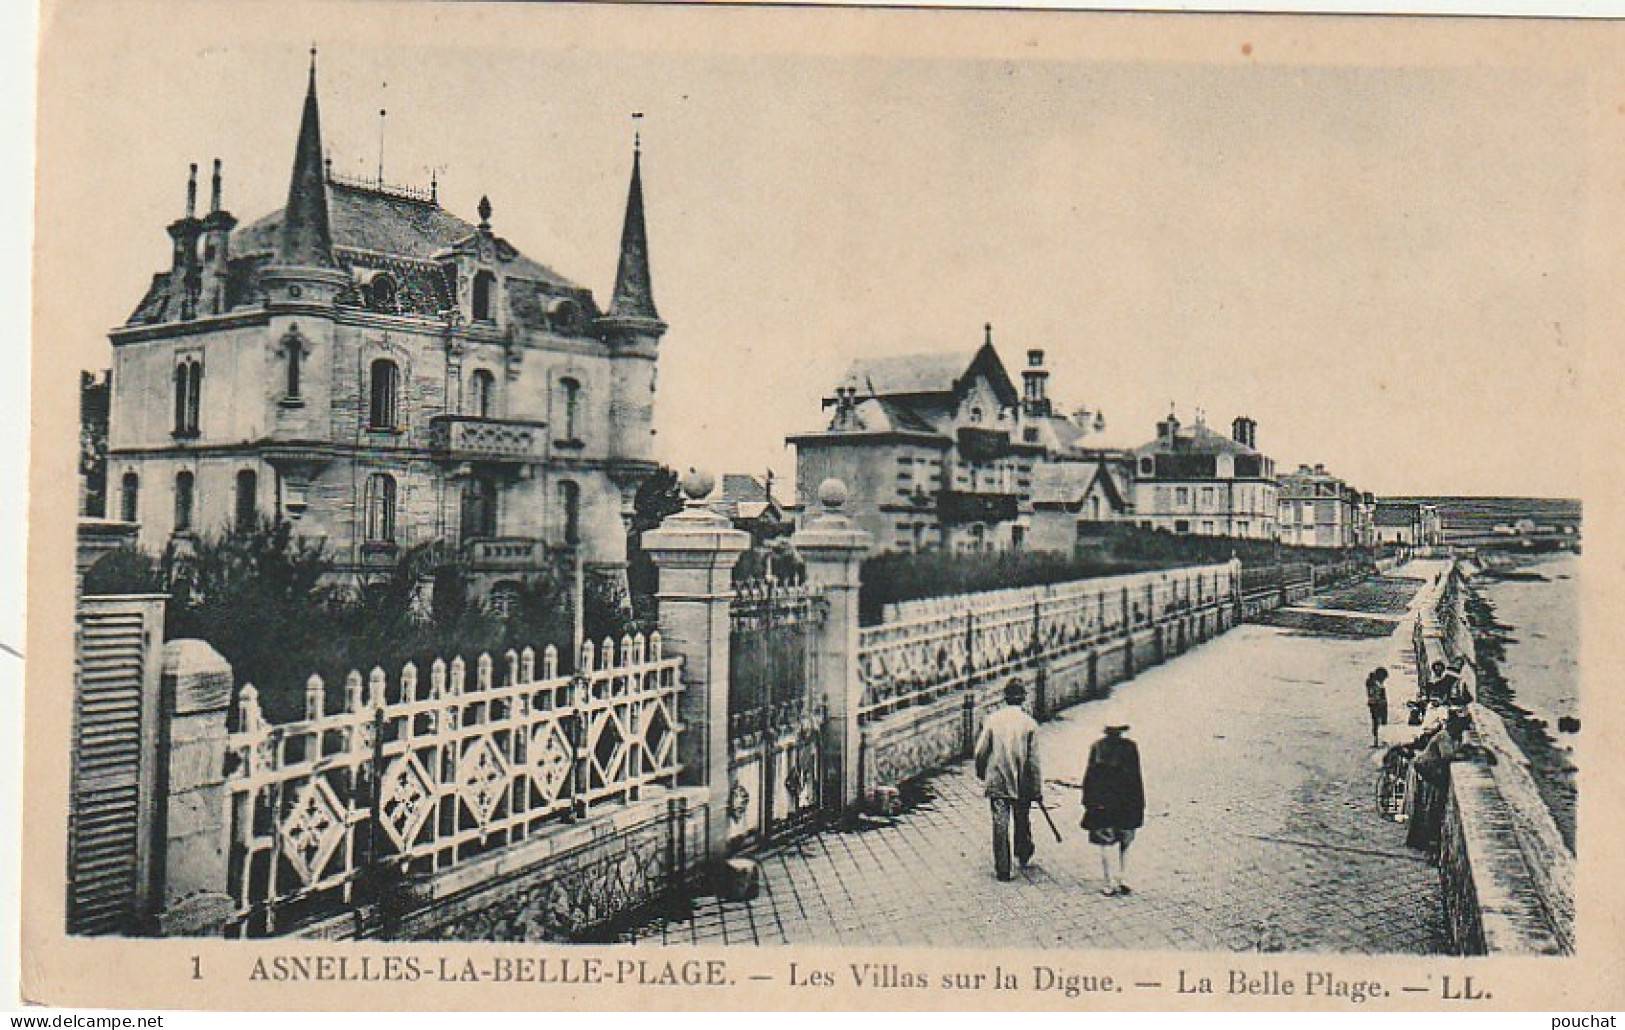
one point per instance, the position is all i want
(1113, 804)
(1007, 763)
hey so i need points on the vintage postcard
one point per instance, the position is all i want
(573, 506)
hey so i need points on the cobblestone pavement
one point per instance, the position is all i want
(1261, 829)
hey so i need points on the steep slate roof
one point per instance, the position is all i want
(387, 223)
(1065, 484)
(907, 374)
(1197, 439)
(370, 228)
(742, 497)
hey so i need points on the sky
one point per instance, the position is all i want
(1377, 257)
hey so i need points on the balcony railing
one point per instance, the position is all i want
(506, 552)
(471, 438)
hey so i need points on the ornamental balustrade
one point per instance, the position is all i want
(948, 643)
(470, 437)
(415, 777)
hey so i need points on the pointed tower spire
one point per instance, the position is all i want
(634, 291)
(306, 239)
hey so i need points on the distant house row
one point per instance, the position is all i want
(942, 451)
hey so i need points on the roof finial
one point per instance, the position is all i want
(214, 189)
(637, 136)
(987, 333)
(485, 213)
(191, 190)
(313, 65)
(382, 115)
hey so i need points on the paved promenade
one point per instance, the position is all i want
(1261, 830)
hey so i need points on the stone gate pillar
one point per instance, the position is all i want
(833, 548)
(197, 686)
(695, 552)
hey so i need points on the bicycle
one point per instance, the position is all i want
(1392, 779)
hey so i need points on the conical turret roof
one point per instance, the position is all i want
(634, 290)
(306, 240)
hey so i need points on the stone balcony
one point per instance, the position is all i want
(471, 438)
(505, 554)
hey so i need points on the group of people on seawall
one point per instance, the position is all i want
(1439, 715)
(1113, 790)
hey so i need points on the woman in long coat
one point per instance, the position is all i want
(1113, 803)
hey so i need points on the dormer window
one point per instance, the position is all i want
(564, 315)
(484, 289)
(381, 293)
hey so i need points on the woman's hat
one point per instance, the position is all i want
(1117, 730)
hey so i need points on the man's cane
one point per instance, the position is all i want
(1045, 809)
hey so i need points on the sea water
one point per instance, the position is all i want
(1542, 662)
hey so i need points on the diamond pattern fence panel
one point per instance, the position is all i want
(414, 777)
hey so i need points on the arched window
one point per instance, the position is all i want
(975, 415)
(182, 385)
(482, 390)
(247, 507)
(570, 391)
(570, 508)
(194, 396)
(484, 286)
(188, 390)
(380, 508)
(479, 520)
(130, 497)
(295, 347)
(384, 411)
(183, 501)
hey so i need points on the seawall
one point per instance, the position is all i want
(1507, 875)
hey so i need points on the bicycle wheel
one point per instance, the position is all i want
(1391, 793)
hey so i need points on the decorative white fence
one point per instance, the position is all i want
(415, 777)
(942, 643)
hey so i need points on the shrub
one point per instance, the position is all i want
(126, 570)
(266, 600)
(891, 577)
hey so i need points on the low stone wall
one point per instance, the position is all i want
(912, 742)
(1507, 875)
(559, 886)
(1492, 903)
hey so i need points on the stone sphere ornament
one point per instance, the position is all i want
(832, 493)
(697, 484)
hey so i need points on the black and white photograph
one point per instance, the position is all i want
(632, 482)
